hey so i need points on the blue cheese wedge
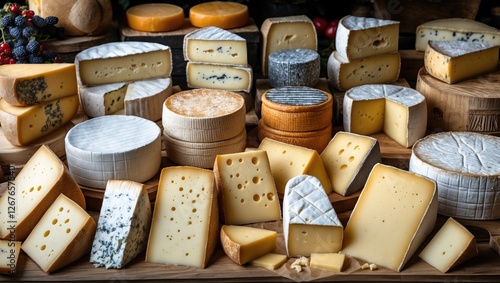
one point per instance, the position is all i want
(294, 67)
(219, 76)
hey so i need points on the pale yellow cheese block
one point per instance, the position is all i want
(271, 261)
(243, 244)
(332, 261)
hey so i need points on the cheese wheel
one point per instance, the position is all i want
(155, 17)
(225, 15)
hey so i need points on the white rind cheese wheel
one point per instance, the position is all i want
(294, 67)
(465, 166)
(113, 147)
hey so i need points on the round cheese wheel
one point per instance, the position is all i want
(225, 15)
(294, 67)
(155, 17)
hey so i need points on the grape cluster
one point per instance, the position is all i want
(23, 36)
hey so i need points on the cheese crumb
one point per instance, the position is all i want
(298, 263)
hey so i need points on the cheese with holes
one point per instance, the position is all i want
(139, 98)
(30, 84)
(332, 261)
(465, 168)
(242, 244)
(456, 61)
(185, 225)
(215, 45)
(361, 37)
(116, 62)
(452, 245)
(288, 32)
(288, 161)
(294, 67)
(310, 224)
(394, 214)
(123, 224)
(222, 14)
(9, 256)
(219, 76)
(376, 69)
(23, 125)
(155, 17)
(456, 29)
(246, 188)
(63, 235)
(271, 261)
(41, 180)
(94, 154)
(400, 112)
(348, 159)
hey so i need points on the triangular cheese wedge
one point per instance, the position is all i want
(243, 244)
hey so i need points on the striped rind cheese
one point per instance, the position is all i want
(294, 67)
(465, 168)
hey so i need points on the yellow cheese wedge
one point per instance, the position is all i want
(222, 14)
(332, 261)
(155, 17)
(243, 244)
(270, 261)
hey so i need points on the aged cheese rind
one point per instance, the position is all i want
(219, 76)
(294, 67)
(222, 14)
(243, 244)
(155, 17)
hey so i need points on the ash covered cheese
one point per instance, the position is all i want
(95, 155)
(219, 76)
(310, 224)
(465, 168)
(294, 67)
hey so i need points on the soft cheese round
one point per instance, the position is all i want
(466, 168)
(294, 67)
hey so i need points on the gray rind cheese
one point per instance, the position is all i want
(294, 67)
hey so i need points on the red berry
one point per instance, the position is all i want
(7, 51)
(43, 47)
(5, 61)
(57, 59)
(1, 58)
(334, 22)
(331, 31)
(14, 9)
(320, 24)
(30, 14)
(12, 61)
(4, 46)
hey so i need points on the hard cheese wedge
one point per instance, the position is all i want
(9, 256)
(29, 84)
(219, 76)
(332, 261)
(395, 212)
(270, 261)
(243, 244)
(222, 14)
(155, 17)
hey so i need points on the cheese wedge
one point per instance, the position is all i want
(332, 261)
(219, 76)
(155, 17)
(243, 244)
(222, 14)
(9, 256)
(271, 261)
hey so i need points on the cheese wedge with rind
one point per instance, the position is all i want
(243, 244)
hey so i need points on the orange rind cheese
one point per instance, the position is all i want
(155, 17)
(225, 15)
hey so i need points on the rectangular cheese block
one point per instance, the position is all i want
(219, 76)
(271, 261)
(243, 244)
(395, 212)
(332, 261)
(305, 239)
(29, 84)
(185, 224)
(9, 256)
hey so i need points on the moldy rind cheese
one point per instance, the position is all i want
(294, 67)
(222, 14)
(155, 17)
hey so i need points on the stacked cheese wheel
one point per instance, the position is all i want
(294, 67)
(201, 123)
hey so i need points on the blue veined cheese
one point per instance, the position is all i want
(123, 224)
(215, 45)
(456, 29)
(294, 67)
(219, 76)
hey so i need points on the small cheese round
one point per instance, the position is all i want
(155, 17)
(294, 67)
(225, 15)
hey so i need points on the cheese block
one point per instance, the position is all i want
(23, 125)
(310, 224)
(123, 224)
(294, 67)
(142, 98)
(376, 69)
(271, 261)
(63, 235)
(30, 84)
(455, 29)
(465, 168)
(94, 154)
(116, 62)
(219, 76)
(204, 115)
(287, 32)
(215, 45)
(348, 159)
(395, 212)
(9, 256)
(332, 261)
(185, 226)
(155, 17)
(222, 14)
(40, 181)
(246, 188)
(288, 161)
(361, 37)
(400, 112)
(452, 245)
(455, 61)
(242, 244)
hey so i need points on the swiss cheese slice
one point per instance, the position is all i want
(242, 244)
(222, 14)
(155, 17)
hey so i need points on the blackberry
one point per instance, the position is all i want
(38, 21)
(51, 20)
(20, 42)
(28, 31)
(20, 21)
(32, 47)
(49, 55)
(6, 20)
(15, 32)
(19, 52)
(36, 59)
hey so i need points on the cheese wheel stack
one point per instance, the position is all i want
(199, 124)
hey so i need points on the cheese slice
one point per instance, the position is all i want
(30, 84)
(155, 17)
(219, 76)
(23, 125)
(452, 245)
(242, 244)
(123, 224)
(116, 62)
(394, 214)
(456, 29)
(185, 225)
(455, 61)
(288, 32)
(9, 256)
(310, 224)
(271, 261)
(294, 67)
(348, 159)
(222, 14)
(215, 45)
(63, 235)
(400, 112)
(246, 188)
(332, 261)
